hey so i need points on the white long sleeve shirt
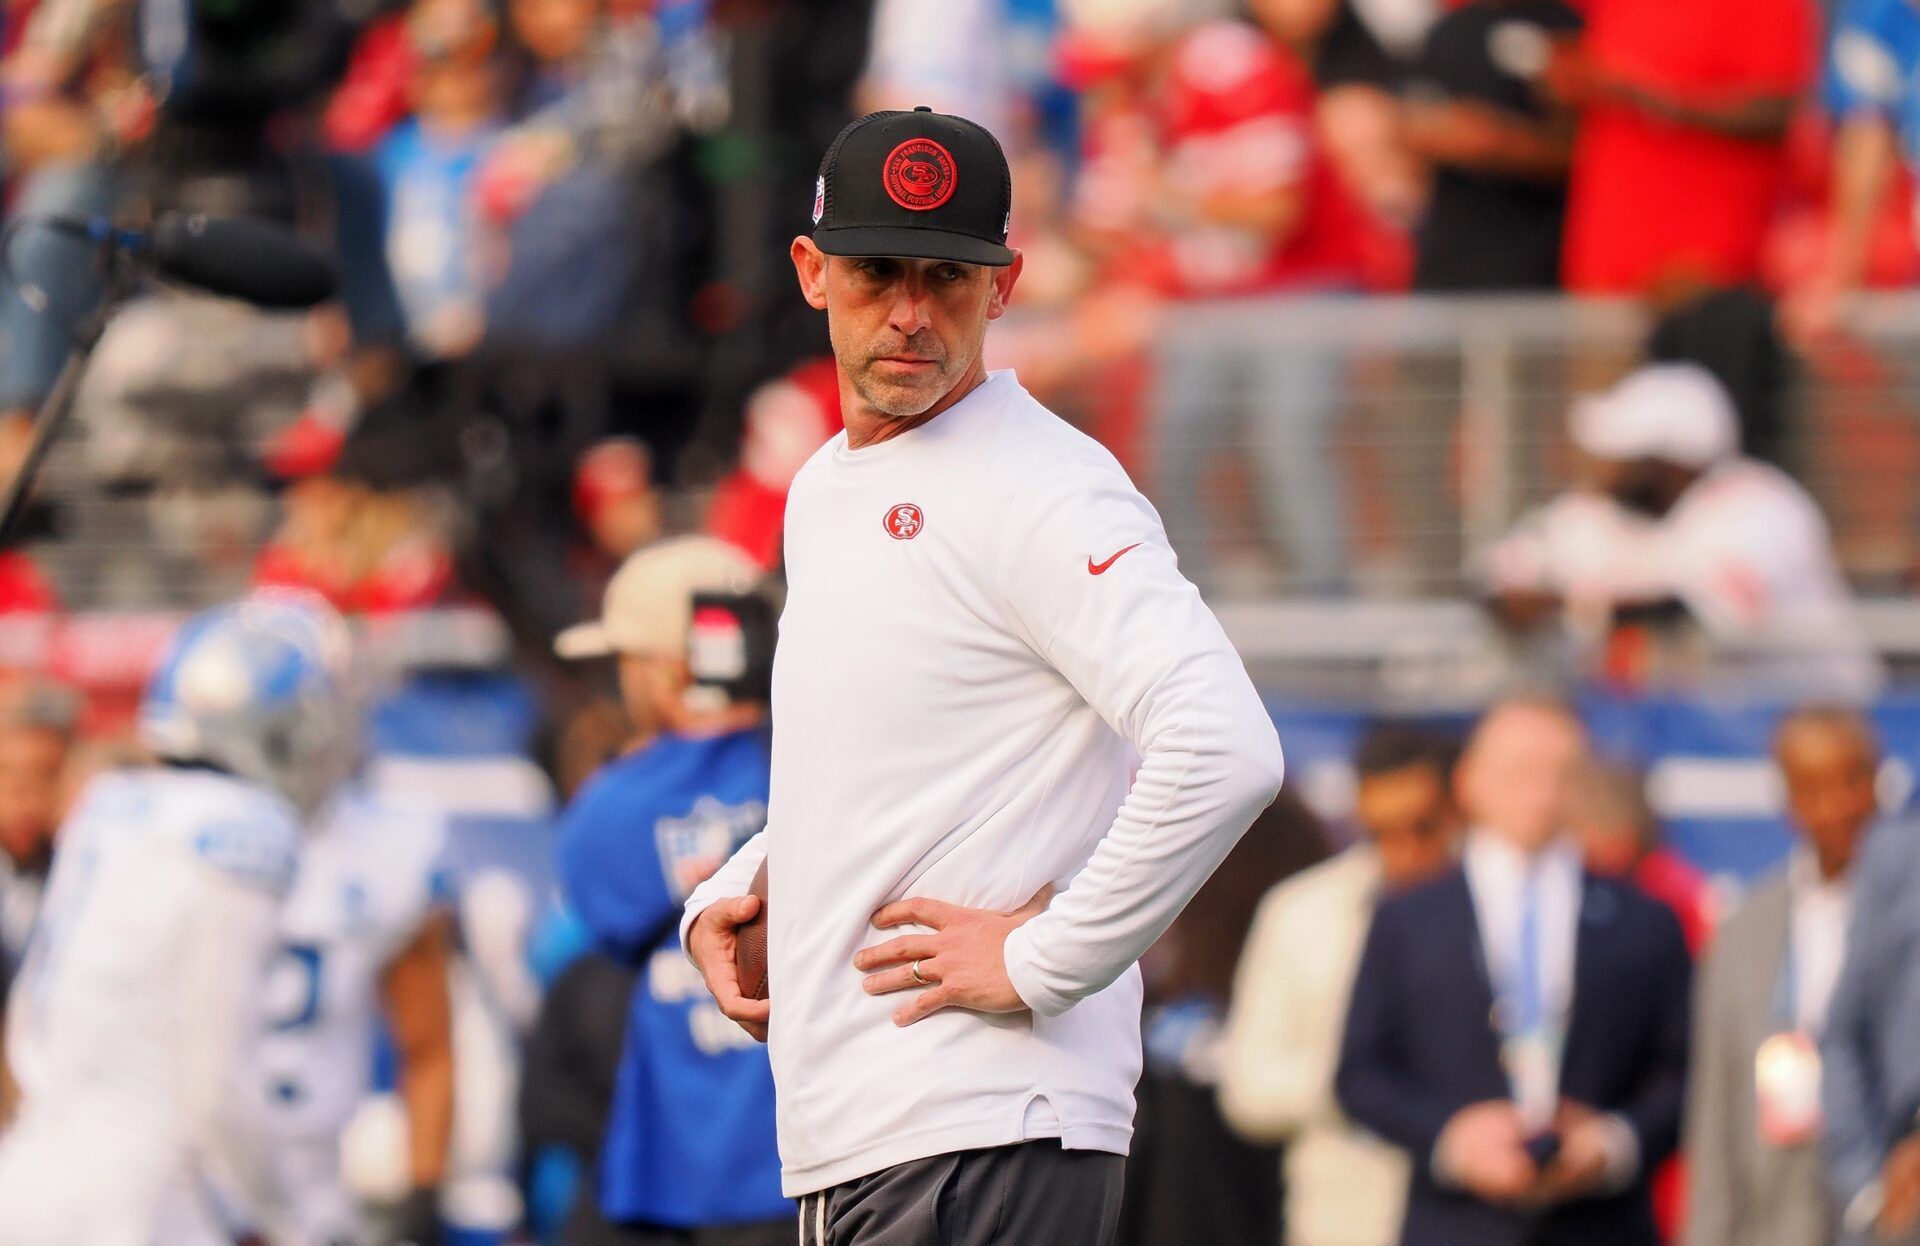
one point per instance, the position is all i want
(984, 627)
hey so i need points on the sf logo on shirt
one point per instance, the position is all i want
(903, 522)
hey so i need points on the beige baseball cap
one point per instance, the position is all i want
(649, 603)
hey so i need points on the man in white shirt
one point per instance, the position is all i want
(1755, 1175)
(1343, 1186)
(985, 628)
(1679, 515)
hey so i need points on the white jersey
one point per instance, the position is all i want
(134, 1007)
(984, 627)
(370, 873)
(20, 895)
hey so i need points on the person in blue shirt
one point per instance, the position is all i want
(1871, 89)
(688, 1156)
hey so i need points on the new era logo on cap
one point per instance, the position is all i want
(920, 184)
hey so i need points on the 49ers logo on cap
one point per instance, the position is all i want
(905, 521)
(919, 174)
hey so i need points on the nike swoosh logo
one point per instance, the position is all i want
(1094, 568)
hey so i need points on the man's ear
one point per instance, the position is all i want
(810, 265)
(1003, 279)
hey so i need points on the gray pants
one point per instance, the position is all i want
(1022, 1195)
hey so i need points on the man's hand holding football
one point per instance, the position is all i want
(713, 943)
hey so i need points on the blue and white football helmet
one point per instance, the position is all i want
(259, 688)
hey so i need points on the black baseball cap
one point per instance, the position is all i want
(919, 184)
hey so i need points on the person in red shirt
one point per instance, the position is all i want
(787, 420)
(1207, 176)
(1619, 834)
(1680, 158)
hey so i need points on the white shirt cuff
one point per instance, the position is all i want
(1017, 955)
(1863, 1209)
(1622, 1146)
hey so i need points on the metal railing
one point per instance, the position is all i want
(1448, 418)
(1443, 420)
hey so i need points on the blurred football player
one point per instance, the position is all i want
(136, 1002)
(363, 935)
(36, 739)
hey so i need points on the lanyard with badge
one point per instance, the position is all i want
(1786, 1068)
(1531, 1038)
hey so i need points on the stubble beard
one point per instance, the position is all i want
(896, 399)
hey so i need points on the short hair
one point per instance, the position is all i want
(1387, 746)
(1845, 719)
(42, 706)
(1612, 791)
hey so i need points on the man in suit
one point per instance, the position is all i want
(1518, 1026)
(1871, 1047)
(1753, 1097)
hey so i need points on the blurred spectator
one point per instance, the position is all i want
(1343, 1186)
(567, 1084)
(614, 498)
(367, 551)
(1478, 112)
(951, 56)
(37, 729)
(1189, 1177)
(1681, 519)
(1680, 157)
(689, 1146)
(375, 91)
(573, 181)
(67, 82)
(1363, 54)
(1732, 334)
(429, 164)
(1875, 49)
(1870, 1047)
(1206, 180)
(1619, 837)
(1753, 1113)
(1542, 1127)
(787, 420)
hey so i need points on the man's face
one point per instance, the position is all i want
(555, 30)
(905, 331)
(1829, 773)
(33, 764)
(1647, 486)
(1516, 772)
(1409, 815)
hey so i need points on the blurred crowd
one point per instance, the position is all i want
(562, 223)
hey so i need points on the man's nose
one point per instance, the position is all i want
(908, 315)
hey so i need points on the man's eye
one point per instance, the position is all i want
(951, 273)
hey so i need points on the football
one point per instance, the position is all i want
(750, 943)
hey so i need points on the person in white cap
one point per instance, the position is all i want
(1676, 514)
(689, 1143)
